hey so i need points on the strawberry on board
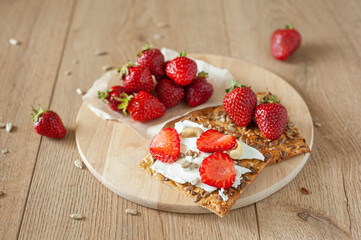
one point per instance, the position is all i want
(153, 59)
(284, 42)
(168, 92)
(113, 97)
(143, 106)
(181, 70)
(165, 146)
(198, 91)
(271, 118)
(240, 102)
(218, 170)
(136, 78)
(48, 123)
(215, 141)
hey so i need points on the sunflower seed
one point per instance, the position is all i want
(254, 170)
(131, 211)
(107, 68)
(9, 126)
(162, 25)
(76, 216)
(186, 164)
(78, 164)
(5, 151)
(242, 186)
(195, 165)
(181, 155)
(195, 154)
(189, 153)
(318, 124)
(273, 143)
(247, 178)
(283, 154)
(158, 36)
(198, 197)
(100, 53)
(74, 62)
(188, 188)
(205, 194)
(2, 125)
(13, 41)
(231, 128)
(79, 91)
(193, 193)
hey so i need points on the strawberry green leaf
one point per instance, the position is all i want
(203, 74)
(183, 54)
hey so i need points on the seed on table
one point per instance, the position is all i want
(100, 52)
(162, 25)
(74, 61)
(9, 127)
(158, 36)
(318, 124)
(76, 216)
(188, 188)
(5, 151)
(68, 73)
(131, 211)
(13, 41)
(2, 125)
(78, 164)
(186, 164)
(107, 68)
(304, 191)
(79, 91)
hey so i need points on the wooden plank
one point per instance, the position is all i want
(322, 68)
(27, 76)
(59, 188)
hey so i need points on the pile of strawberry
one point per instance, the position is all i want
(176, 80)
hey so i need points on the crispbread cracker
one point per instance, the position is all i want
(290, 144)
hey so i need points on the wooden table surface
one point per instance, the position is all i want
(41, 184)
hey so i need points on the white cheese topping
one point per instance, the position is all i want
(175, 172)
(224, 196)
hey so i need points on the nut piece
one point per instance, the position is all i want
(191, 132)
(237, 152)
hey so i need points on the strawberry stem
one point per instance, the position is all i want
(124, 101)
(203, 74)
(124, 70)
(145, 48)
(183, 54)
(289, 26)
(104, 95)
(38, 113)
(270, 100)
(234, 84)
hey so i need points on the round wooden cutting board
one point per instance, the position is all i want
(112, 151)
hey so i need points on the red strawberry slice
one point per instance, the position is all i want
(218, 170)
(165, 146)
(214, 141)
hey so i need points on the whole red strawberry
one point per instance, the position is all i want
(165, 146)
(199, 91)
(284, 42)
(181, 70)
(271, 118)
(143, 106)
(113, 97)
(48, 123)
(168, 92)
(218, 170)
(136, 78)
(153, 59)
(240, 103)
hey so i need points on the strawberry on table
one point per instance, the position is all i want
(198, 91)
(48, 123)
(271, 118)
(181, 70)
(215, 141)
(136, 78)
(240, 103)
(165, 146)
(143, 106)
(168, 92)
(113, 97)
(153, 59)
(284, 42)
(218, 170)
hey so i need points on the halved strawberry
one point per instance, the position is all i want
(218, 170)
(214, 141)
(165, 146)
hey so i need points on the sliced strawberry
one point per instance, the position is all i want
(165, 146)
(214, 141)
(218, 170)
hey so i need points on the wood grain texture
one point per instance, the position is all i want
(112, 150)
(326, 72)
(28, 74)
